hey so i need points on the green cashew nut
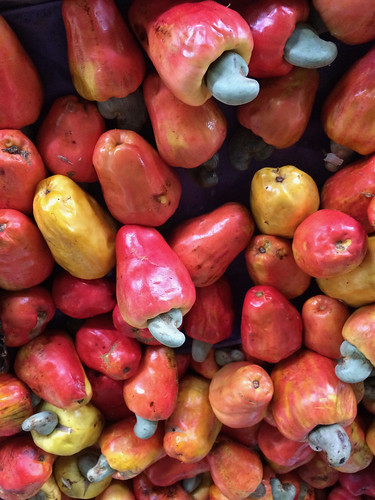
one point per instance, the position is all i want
(333, 440)
(281, 491)
(164, 328)
(145, 428)
(304, 48)
(86, 462)
(259, 492)
(200, 350)
(228, 355)
(39, 496)
(226, 79)
(100, 470)
(130, 112)
(245, 146)
(43, 423)
(353, 367)
(191, 483)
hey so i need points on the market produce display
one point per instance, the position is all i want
(187, 249)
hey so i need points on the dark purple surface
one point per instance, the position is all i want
(40, 28)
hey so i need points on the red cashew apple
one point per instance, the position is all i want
(80, 298)
(24, 467)
(103, 348)
(299, 381)
(186, 136)
(151, 393)
(15, 404)
(192, 428)
(271, 326)
(323, 318)
(351, 21)
(123, 454)
(200, 241)
(191, 43)
(329, 243)
(235, 469)
(269, 261)
(280, 450)
(21, 89)
(351, 190)
(25, 314)
(138, 186)
(21, 167)
(349, 109)
(104, 58)
(67, 136)
(51, 367)
(25, 259)
(107, 396)
(283, 39)
(281, 111)
(240, 393)
(153, 286)
(211, 319)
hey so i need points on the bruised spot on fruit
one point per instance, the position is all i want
(2, 171)
(126, 369)
(259, 294)
(15, 150)
(341, 246)
(281, 253)
(162, 31)
(41, 458)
